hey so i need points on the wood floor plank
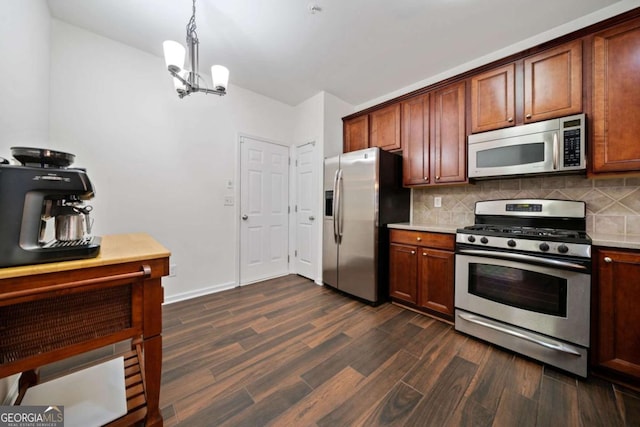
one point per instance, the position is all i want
(597, 403)
(321, 400)
(515, 410)
(491, 379)
(629, 407)
(219, 411)
(558, 404)
(394, 408)
(440, 353)
(313, 356)
(371, 391)
(439, 403)
(526, 377)
(470, 413)
(261, 413)
(265, 384)
(357, 352)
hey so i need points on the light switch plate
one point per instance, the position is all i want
(437, 202)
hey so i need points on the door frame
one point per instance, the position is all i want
(237, 195)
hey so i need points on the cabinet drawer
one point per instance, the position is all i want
(423, 238)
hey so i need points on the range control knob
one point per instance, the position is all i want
(544, 247)
(471, 239)
(511, 243)
(563, 249)
(484, 240)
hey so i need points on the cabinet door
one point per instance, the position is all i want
(616, 91)
(493, 99)
(449, 139)
(385, 128)
(356, 133)
(435, 280)
(618, 317)
(415, 141)
(553, 83)
(403, 272)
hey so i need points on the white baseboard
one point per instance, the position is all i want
(199, 292)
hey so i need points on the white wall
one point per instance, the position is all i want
(159, 163)
(24, 87)
(24, 74)
(334, 110)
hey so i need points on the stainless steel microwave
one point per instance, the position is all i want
(556, 145)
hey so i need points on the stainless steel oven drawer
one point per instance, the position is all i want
(571, 358)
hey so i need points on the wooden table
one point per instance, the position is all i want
(49, 312)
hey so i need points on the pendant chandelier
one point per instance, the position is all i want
(187, 81)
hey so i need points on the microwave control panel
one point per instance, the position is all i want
(572, 147)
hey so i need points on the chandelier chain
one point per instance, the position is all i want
(191, 26)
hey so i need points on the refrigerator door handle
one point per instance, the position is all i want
(340, 205)
(336, 199)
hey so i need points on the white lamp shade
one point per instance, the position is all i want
(220, 77)
(174, 54)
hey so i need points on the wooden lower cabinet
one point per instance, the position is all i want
(403, 270)
(616, 318)
(422, 271)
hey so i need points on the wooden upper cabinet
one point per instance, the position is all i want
(356, 133)
(551, 87)
(415, 141)
(385, 128)
(493, 99)
(448, 134)
(553, 83)
(616, 91)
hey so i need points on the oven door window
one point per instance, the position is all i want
(528, 290)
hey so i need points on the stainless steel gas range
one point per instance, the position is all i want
(523, 279)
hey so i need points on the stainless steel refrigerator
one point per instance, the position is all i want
(363, 193)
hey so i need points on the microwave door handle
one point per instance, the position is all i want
(522, 257)
(555, 150)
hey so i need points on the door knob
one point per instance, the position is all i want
(311, 217)
(245, 217)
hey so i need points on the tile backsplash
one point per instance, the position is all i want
(613, 205)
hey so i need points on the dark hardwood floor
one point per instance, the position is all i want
(287, 352)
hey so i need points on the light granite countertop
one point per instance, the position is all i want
(598, 239)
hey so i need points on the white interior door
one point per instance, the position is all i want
(306, 213)
(264, 204)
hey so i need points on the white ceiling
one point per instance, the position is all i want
(357, 50)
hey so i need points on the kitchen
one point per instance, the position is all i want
(108, 115)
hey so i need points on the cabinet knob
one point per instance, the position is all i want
(607, 259)
(528, 116)
(437, 178)
(413, 252)
(424, 254)
(510, 119)
(426, 178)
(419, 239)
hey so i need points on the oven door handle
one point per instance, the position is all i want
(548, 343)
(524, 258)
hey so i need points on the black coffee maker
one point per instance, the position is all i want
(43, 212)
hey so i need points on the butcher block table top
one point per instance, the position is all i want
(114, 249)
